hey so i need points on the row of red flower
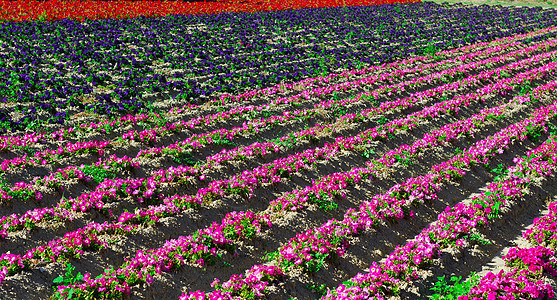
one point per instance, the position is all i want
(55, 10)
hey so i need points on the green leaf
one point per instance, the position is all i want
(58, 279)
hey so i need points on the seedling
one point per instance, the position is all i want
(368, 153)
(500, 171)
(69, 279)
(446, 291)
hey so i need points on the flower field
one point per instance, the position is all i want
(389, 151)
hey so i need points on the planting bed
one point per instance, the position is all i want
(341, 153)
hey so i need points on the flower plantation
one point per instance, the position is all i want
(360, 152)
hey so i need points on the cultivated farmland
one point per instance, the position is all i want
(332, 153)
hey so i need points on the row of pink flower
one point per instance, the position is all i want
(22, 190)
(303, 247)
(330, 238)
(337, 181)
(451, 228)
(387, 90)
(29, 139)
(138, 215)
(13, 222)
(197, 141)
(247, 180)
(198, 247)
(49, 155)
(301, 250)
(201, 246)
(391, 105)
(461, 69)
(262, 148)
(544, 230)
(141, 216)
(527, 265)
(523, 281)
(169, 175)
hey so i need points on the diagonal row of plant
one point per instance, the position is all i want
(528, 265)
(491, 144)
(26, 190)
(196, 141)
(295, 199)
(451, 228)
(90, 200)
(108, 125)
(89, 234)
(399, 64)
(309, 250)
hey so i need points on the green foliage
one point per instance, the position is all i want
(478, 238)
(430, 49)
(183, 158)
(317, 262)
(501, 172)
(223, 141)
(98, 174)
(270, 256)
(324, 201)
(265, 114)
(445, 291)
(248, 230)
(494, 211)
(337, 108)
(525, 88)
(485, 203)
(382, 121)
(505, 74)
(69, 279)
(226, 264)
(288, 143)
(534, 132)
(348, 283)
(552, 129)
(368, 153)
(404, 158)
(241, 191)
